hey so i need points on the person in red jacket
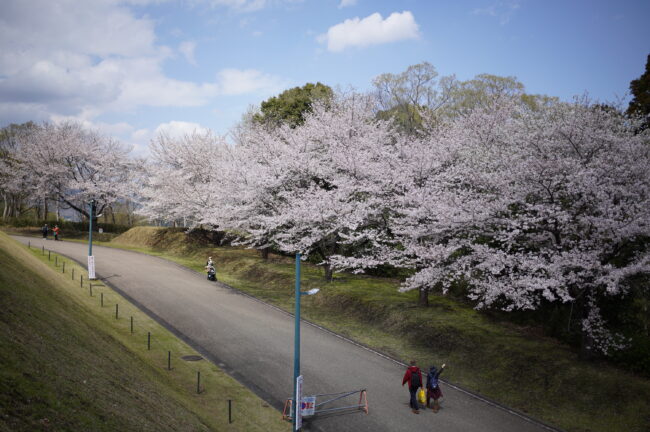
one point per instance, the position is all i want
(413, 377)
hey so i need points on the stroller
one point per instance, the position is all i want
(212, 273)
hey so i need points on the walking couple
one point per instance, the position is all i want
(413, 377)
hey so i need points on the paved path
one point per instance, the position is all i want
(254, 343)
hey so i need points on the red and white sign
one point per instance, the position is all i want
(308, 405)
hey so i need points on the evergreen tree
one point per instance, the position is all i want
(640, 89)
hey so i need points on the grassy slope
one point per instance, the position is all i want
(512, 365)
(67, 365)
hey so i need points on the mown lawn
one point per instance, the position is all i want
(67, 364)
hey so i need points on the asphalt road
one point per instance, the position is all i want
(254, 343)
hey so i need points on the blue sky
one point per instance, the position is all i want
(135, 67)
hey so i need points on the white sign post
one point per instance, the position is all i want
(298, 409)
(91, 267)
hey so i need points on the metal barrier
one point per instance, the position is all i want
(361, 406)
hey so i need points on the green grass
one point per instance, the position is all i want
(512, 365)
(67, 364)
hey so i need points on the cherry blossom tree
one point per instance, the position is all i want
(300, 187)
(14, 184)
(72, 165)
(528, 206)
(577, 190)
(182, 178)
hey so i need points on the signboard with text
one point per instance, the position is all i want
(308, 405)
(91, 267)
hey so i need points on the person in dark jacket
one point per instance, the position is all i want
(413, 377)
(44, 230)
(433, 387)
(211, 269)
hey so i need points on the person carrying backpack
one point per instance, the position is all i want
(433, 387)
(413, 377)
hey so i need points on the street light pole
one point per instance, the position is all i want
(296, 346)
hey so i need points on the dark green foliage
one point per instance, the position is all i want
(637, 357)
(640, 89)
(290, 106)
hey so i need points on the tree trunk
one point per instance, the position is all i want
(38, 213)
(129, 220)
(586, 341)
(58, 211)
(423, 299)
(5, 210)
(45, 209)
(265, 253)
(329, 272)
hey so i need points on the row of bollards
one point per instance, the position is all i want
(199, 390)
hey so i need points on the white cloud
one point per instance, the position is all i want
(187, 49)
(503, 11)
(346, 3)
(76, 58)
(246, 5)
(371, 30)
(141, 138)
(84, 59)
(177, 129)
(241, 5)
(240, 81)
